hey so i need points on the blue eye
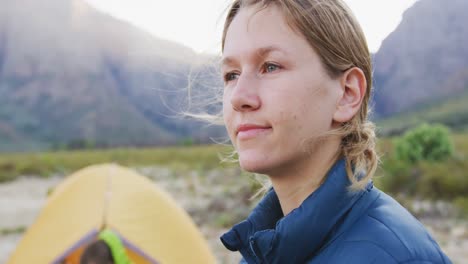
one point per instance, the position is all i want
(270, 67)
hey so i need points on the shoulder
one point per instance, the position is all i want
(385, 230)
(354, 252)
(365, 252)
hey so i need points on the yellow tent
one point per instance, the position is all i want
(153, 228)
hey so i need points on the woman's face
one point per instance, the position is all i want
(278, 97)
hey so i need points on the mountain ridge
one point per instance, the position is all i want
(70, 73)
(424, 58)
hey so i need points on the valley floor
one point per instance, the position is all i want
(199, 193)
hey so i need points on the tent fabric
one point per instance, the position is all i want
(153, 227)
(113, 241)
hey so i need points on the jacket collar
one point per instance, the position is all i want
(268, 237)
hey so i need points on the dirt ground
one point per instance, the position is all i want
(22, 199)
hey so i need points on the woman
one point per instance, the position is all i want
(297, 77)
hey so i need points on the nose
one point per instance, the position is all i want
(245, 95)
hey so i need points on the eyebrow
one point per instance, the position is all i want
(260, 52)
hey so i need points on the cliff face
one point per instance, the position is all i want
(69, 72)
(425, 59)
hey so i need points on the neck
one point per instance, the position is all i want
(301, 179)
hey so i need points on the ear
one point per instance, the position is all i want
(354, 85)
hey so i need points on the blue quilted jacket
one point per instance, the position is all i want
(334, 225)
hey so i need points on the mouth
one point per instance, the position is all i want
(248, 131)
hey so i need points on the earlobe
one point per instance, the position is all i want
(354, 87)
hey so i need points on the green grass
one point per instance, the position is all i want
(46, 163)
(433, 180)
(446, 180)
(452, 112)
(12, 231)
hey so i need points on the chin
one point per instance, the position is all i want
(254, 164)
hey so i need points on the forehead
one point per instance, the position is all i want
(255, 30)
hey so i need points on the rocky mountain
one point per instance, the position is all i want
(71, 73)
(425, 60)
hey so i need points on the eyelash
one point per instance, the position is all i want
(228, 76)
(267, 64)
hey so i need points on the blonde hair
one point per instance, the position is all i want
(331, 29)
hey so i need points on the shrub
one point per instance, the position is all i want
(425, 142)
(462, 204)
(396, 176)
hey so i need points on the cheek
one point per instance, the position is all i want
(291, 110)
(281, 105)
(305, 115)
(226, 106)
(227, 116)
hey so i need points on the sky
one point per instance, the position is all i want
(198, 23)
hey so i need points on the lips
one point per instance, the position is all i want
(248, 131)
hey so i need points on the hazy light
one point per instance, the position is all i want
(198, 24)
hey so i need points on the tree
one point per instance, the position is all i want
(425, 142)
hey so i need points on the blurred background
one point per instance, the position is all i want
(93, 81)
